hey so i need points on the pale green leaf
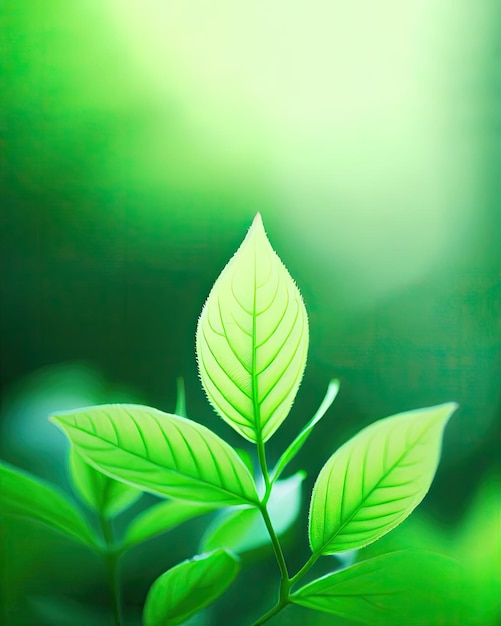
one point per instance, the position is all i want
(396, 589)
(376, 479)
(243, 529)
(297, 444)
(22, 496)
(102, 493)
(189, 587)
(158, 452)
(252, 339)
(160, 518)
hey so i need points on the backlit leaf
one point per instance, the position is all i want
(189, 587)
(297, 444)
(252, 339)
(376, 479)
(244, 529)
(158, 452)
(160, 518)
(396, 589)
(102, 493)
(22, 496)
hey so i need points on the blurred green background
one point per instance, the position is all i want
(138, 140)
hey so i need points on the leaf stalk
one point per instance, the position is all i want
(111, 557)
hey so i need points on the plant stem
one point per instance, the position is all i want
(277, 548)
(261, 455)
(111, 557)
(269, 614)
(306, 568)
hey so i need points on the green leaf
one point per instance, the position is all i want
(411, 588)
(376, 479)
(160, 518)
(22, 496)
(181, 398)
(246, 458)
(158, 452)
(243, 529)
(102, 493)
(189, 587)
(297, 444)
(252, 339)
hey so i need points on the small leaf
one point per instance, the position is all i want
(158, 452)
(297, 444)
(22, 496)
(160, 518)
(243, 529)
(189, 587)
(411, 588)
(181, 398)
(376, 479)
(252, 339)
(102, 493)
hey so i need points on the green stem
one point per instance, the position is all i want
(111, 557)
(277, 548)
(306, 568)
(272, 612)
(261, 455)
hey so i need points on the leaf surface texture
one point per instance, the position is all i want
(189, 587)
(159, 452)
(252, 339)
(376, 479)
(401, 588)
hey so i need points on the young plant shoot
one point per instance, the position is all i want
(251, 345)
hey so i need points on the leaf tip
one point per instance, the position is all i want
(257, 225)
(448, 408)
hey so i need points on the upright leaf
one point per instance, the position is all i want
(102, 493)
(158, 452)
(22, 496)
(243, 529)
(189, 587)
(299, 441)
(252, 339)
(400, 588)
(160, 518)
(376, 479)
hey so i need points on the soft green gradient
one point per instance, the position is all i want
(137, 142)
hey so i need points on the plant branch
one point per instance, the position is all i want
(306, 568)
(272, 612)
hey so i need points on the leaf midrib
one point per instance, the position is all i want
(376, 486)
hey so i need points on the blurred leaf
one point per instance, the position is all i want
(297, 444)
(252, 339)
(244, 529)
(22, 496)
(189, 587)
(102, 493)
(411, 588)
(159, 452)
(477, 543)
(61, 612)
(376, 479)
(160, 518)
